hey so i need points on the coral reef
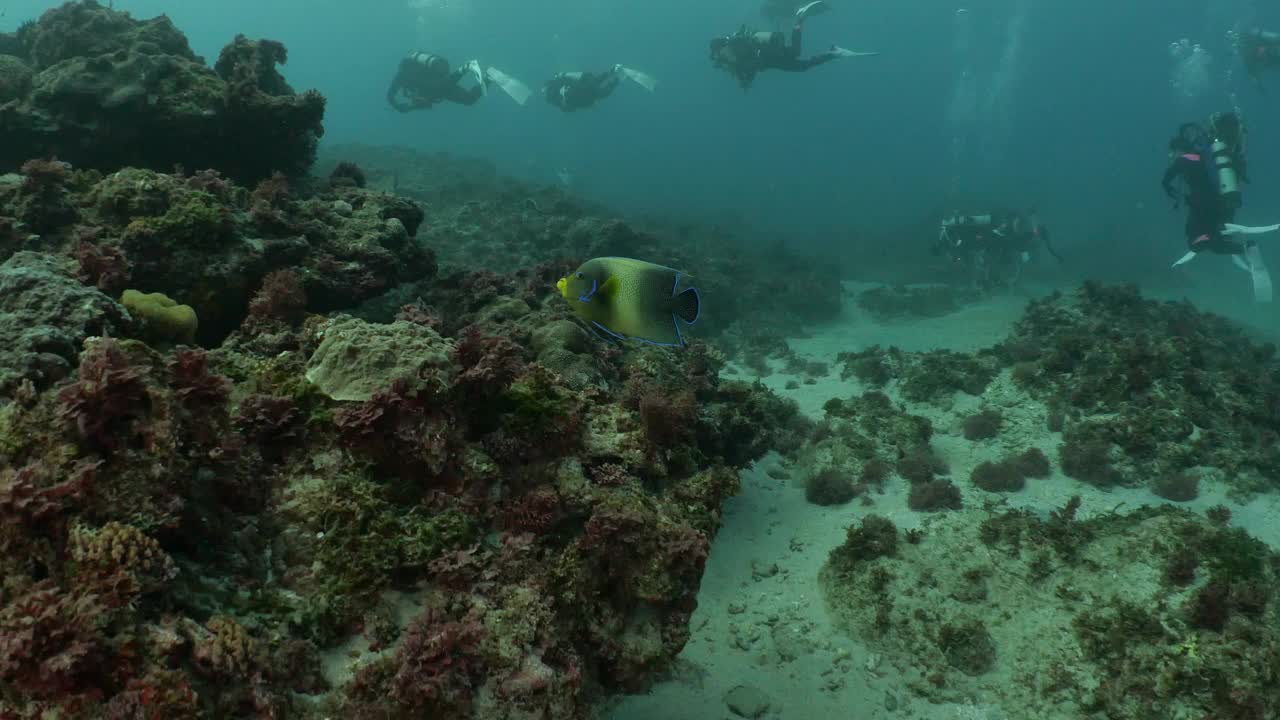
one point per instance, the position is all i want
(1040, 623)
(476, 507)
(99, 89)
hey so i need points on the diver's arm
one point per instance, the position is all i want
(392, 93)
(1043, 233)
(1171, 174)
(398, 84)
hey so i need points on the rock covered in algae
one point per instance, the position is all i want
(357, 359)
(105, 90)
(45, 314)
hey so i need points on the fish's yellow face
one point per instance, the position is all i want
(578, 287)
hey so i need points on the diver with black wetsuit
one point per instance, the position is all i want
(746, 53)
(1210, 162)
(572, 91)
(424, 79)
(1210, 165)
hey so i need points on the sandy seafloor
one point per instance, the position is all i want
(761, 620)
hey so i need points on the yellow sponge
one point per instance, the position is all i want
(160, 317)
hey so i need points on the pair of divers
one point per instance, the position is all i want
(424, 79)
(1209, 163)
(993, 246)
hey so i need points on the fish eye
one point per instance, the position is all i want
(580, 276)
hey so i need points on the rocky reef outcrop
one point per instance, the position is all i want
(99, 89)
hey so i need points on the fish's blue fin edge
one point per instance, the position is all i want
(612, 336)
(698, 314)
(605, 333)
(697, 296)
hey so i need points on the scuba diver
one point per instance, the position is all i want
(571, 91)
(1210, 164)
(746, 53)
(996, 246)
(1260, 50)
(424, 79)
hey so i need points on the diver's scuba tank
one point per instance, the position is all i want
(1225, 147)
(1224, 169)
(960, 221)
(955, 220)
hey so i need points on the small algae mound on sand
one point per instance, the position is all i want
(1154, 613)
(357, 359)
(160, 317)
(902, 301)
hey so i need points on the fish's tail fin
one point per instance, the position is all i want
(687, 305)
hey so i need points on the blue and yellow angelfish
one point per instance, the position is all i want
(625, 298)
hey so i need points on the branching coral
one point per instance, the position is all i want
(875, 537)
(281, 298)
(101, 265)
(830, 486)
(437, 665)
(983, 426)
(934, 496)
(489, 364)
(107, 399)
(227, 650)
(44, 202)
(50, 646)
(116, 547)
(998, 477)
(403, 427)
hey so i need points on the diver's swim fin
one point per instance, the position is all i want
(1261, 278)
(1232, 229)
(642, 79)
(511, 86)
(817, 7)
(845, 52)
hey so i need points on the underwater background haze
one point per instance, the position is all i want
(1063, 106)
